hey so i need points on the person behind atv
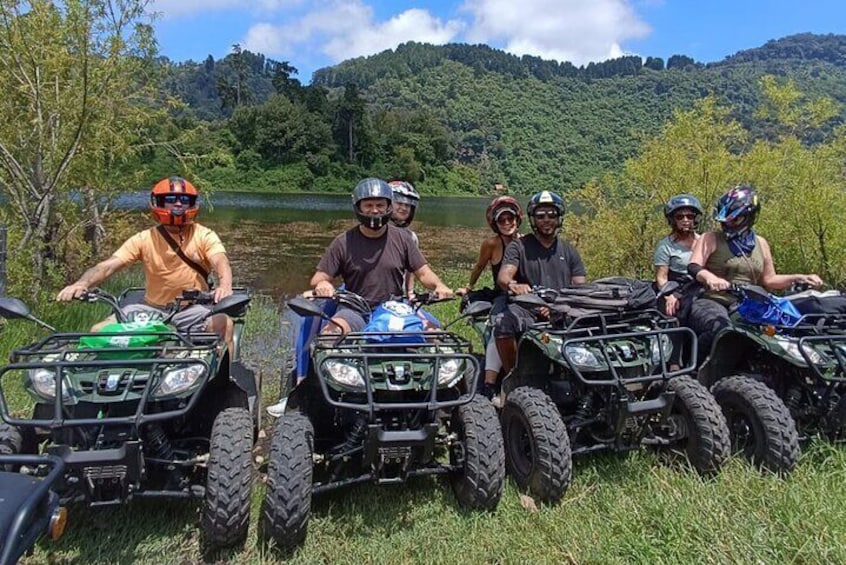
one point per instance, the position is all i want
(371, 258)
(504, 215)
(672, 254)
(404, 206)
(174, 203)
(733, 255)
(538, 259)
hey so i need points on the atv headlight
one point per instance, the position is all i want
(582, 357)
(180, 379)
(792, 349)
(344, 373)
(448, 372)
(44, 383)
(660, 344)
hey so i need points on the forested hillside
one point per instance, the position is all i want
(461, 118)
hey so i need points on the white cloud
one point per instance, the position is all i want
(346, 29)
(578, 31)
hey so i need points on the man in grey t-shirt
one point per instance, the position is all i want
(371, 258)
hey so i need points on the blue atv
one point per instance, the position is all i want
(384, 405)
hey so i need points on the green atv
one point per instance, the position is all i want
(600, 381)
(138, 410)
(779, 381)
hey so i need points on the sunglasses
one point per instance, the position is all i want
(174, 198)
(685, 216)
(506, 219)
(546, 214)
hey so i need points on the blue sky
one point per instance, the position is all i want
(315, 33)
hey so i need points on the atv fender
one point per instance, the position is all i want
(731, 347)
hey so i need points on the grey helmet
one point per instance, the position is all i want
(680, 201)
(372, 188)
(405, 193)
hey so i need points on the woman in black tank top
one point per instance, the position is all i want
(504, 216)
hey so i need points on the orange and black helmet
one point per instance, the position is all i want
(171, 191)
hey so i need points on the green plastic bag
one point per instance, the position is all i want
(131, 334)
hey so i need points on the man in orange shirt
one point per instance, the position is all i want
(165, 252)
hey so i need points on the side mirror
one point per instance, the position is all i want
(13, 308)
(306, 308)
(669, 288)
(757, 293)
(478, 308)
(232, 304)
(530, 300)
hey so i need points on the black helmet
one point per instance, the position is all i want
(739, 202)
(680, 201)
(372, 188)
(545, 198)
(405, 193)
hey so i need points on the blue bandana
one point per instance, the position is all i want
(742, 243)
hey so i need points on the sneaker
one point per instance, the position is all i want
(487, 390)
(276, 410)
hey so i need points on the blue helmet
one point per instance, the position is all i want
(740, 206)
(372, 188)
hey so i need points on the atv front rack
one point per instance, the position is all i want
(391, 363)
(623, 345)
(821, 333)
(107, 376)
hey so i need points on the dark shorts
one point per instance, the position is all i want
(706, 319)
(355, 320)
(513, 321)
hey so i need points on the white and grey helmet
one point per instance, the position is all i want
(372, 188)
(405, 193)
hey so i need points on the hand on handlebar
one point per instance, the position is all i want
(443, 292)
(222, 292)
(75, 290)
(324, 289)
(812, 281)
(717, 284)
(518, 289)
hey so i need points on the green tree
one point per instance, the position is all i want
(76, 101)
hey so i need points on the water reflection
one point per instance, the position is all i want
(274, 241)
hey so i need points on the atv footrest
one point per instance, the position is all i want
(644, 407)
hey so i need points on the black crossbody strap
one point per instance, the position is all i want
(175, 246)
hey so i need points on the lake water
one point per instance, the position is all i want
(274, 241)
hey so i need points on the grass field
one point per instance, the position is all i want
(618, 509)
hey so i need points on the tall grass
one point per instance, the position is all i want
(643, 508)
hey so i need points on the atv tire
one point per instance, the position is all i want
(11, 442)
(287, 499)
(537, 447)
(759, 423)
(478, 486)
(229, 484)
(707, 442)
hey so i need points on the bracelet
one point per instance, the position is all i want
(509, 283)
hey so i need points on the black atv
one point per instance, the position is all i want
(139, 409)
(29, 506)
(382, 406)
(779, 375)
(587, 382)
